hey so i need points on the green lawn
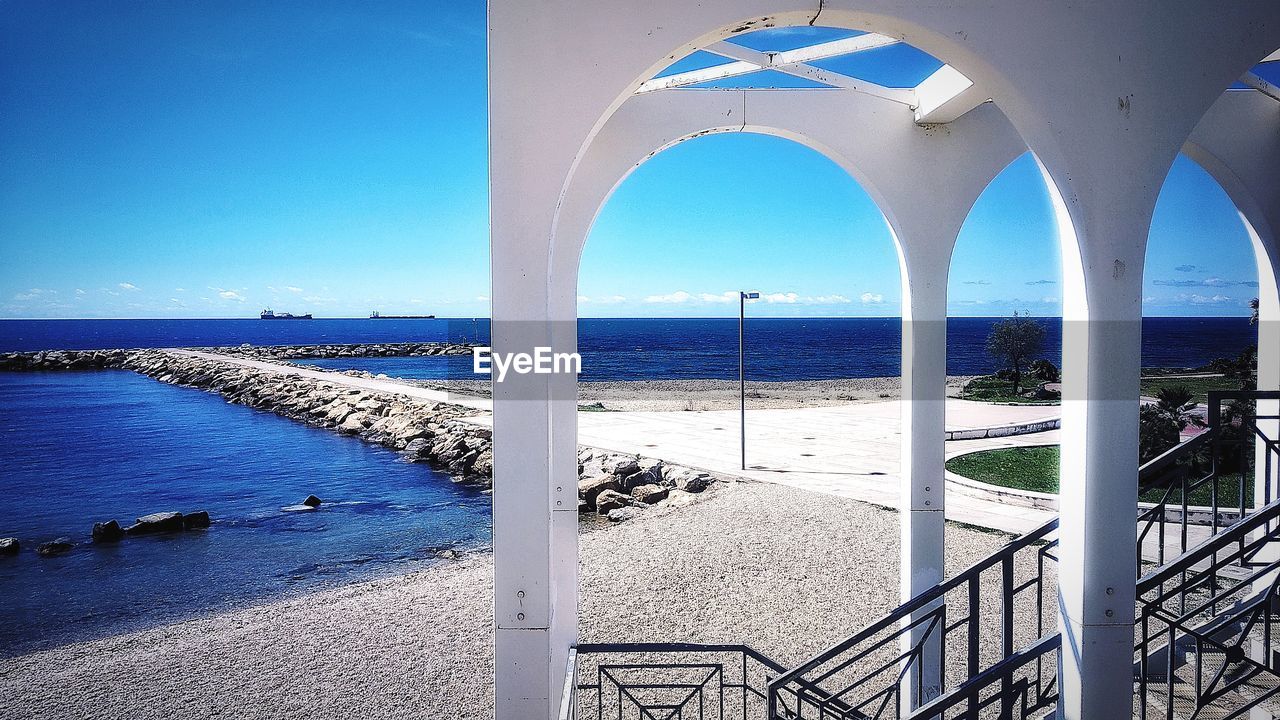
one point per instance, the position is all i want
(989, 388)
(1036, 468)
(1198, 386)
(1030, 468)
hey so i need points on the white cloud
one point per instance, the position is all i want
(293, 289)
(230, 295)
(787, 298)
(1049, 299)
(179, 289)
(177, 302)
(482, 298)
(826, 300)
(602, 300)
(127, 286)
(1207, 299)
(674, 298)
(80, 293)
(32, 294)
(868, 298)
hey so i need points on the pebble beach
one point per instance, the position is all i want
(421, 644)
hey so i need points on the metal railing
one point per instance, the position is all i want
(970, 622)
(1205, 623)
(1205, 619)
(989, 627)
(657, 681)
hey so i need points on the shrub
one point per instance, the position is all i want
(1045, 371)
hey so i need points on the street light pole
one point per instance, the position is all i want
(743, 297)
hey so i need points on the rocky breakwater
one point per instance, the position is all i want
(422, 431)
(616, 485)
(357, 350)
(64, 360)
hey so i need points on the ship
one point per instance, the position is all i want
(269, 315)
(375, 315)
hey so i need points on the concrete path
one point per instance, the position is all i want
(337, 378)
(851, 451)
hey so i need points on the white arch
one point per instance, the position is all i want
(1105, 94)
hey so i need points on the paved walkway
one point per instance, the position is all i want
(851, 451)
(337, 378)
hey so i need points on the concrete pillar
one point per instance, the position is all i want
(1267, 487)
(924, 378)
(1102, 316)
(564, 482)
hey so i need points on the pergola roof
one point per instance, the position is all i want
(828, 59)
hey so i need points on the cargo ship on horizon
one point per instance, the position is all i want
(268, 314)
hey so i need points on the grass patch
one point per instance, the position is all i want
(989, 388)
(1029, 468)
(1199, 386)
(1036, 469)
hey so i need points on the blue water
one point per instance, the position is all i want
(637, 349)
(811, 349)
(81, 447)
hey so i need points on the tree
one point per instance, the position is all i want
(1013, 341)
(1157, 431)
(1253, 317)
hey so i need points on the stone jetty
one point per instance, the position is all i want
(447, 436)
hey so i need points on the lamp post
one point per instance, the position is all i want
(743, 297)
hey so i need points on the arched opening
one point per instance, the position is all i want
(658, 288)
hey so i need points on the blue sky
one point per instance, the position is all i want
(211, 159)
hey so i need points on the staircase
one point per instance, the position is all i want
(985, 642)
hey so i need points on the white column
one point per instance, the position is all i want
(1102, 312)
(1268, 363)
(924, 378)
(523, 585)
(564, 483)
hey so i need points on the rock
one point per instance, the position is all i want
(622, 514)
(649, 494)
(650, 476)
(687, 480)
(156, 523)
(9, 546)
(353, 425)
(620, 465)
(312, 501)
(611, 500)
(54, 547)
(107, 532)
(196, 520)
(418, 447)
(590, 488)
(447, 554)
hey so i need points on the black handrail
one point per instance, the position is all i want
(970, 690)
(1167, 471)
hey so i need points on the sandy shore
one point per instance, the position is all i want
(666, 395)
(784, 570)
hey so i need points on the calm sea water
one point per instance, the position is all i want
(637, 349)
(81, 447)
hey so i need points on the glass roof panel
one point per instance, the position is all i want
(789, 38)
(697, 60)
(898, 66)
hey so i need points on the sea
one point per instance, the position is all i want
(82, 447)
